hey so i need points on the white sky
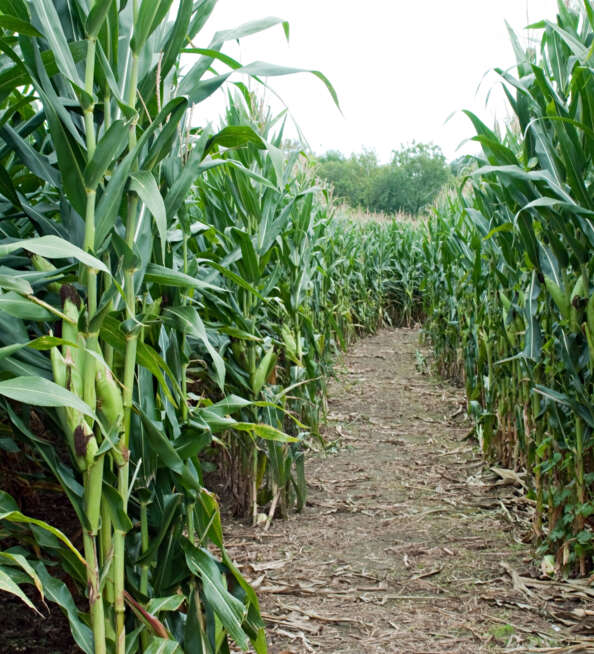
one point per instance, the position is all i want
(400, 67)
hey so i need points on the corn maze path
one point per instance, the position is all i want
(408, 543)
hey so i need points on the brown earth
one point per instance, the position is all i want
(408, 543)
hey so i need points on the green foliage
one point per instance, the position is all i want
(350, 178)
(104, 293)
(412, 181)
(509, 286)
(170, 297)
(309, 282)
(409, 183)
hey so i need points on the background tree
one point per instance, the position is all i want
(408, 183)
(350, 178)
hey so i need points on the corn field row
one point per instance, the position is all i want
(172, 297)
(508, 286)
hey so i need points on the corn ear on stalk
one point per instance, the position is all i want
(110, 407)
(43, 265)
(560, 298)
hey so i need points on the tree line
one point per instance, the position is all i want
(409, 182)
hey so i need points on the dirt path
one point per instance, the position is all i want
(408, 543)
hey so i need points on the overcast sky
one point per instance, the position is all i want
(400, 67)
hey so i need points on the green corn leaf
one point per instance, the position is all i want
(193, 440)
(162, 145)
(68, 153)
(197, 90)
(171, 603)
(15, 8)
(19, 307)
(51, 23)
(179, 33)
(109, 204)
(171, 506)
(12, 282)
(246, 29)
(168, 277)
(97, 16)
(229, 610)
(9, 511)
(143, 183)
(150, 14)
(56, 591)
(41, 343)
(190, 322)
(265, 182)
(582, 52)
(109, 148)
(13, 24)
(15, 76)
(550, 265)
(53, 247)
(104, 69)
(37, 163)
(114, 502)
(267, 432)
(194, 75)
(560, 398)
(7, 188)
(161, 445)
(237, 333)
(182, 184)
(37, 391)
(248, 254)
(253, 617)
(229, 274)
(195, 638)
(162, 646)
(20, 561)
(234, 136)
(231, 404)
(202, 12)
(146, 356)
(8, 585)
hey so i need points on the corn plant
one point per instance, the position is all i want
(509, 284)
(99, 305)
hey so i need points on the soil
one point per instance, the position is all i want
(22, 630)
(408, 543)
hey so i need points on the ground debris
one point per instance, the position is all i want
(408, 543)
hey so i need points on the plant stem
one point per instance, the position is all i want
(95, 599)
(106, 547)
(93, 477)
(184, 380)
(144, 535)
(579, 480)
(254, 485)
(89, 83)
(191, 525)
(144, 569)
(93, 480)
(51, 309)
(128, 392)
